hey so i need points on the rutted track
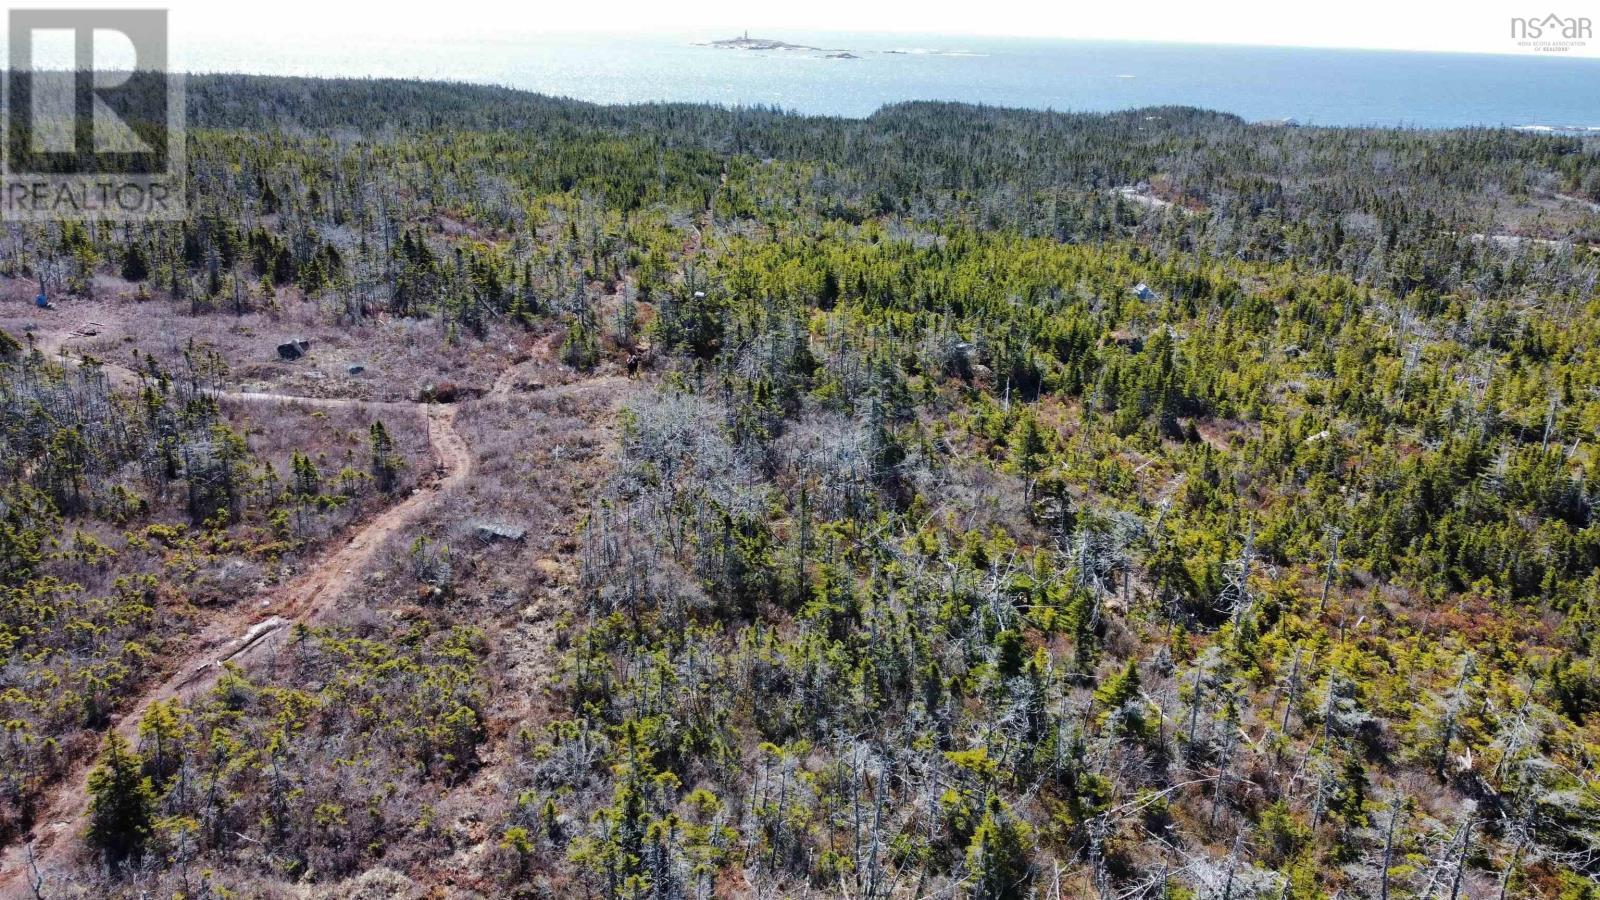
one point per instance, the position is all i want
(248, 629)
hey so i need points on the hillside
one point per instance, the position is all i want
(676, 501)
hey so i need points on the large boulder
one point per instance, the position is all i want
(491, 532)
(446, 392)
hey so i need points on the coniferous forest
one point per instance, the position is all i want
(671, 501)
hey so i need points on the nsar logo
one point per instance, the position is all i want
(1552, 33)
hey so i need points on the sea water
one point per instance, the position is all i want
(1309, 86)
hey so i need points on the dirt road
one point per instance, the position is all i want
(248, 630)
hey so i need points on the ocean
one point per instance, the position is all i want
(1309, 86)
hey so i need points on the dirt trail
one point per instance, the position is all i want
(261, 621)
(244, 631)
(1590, 205)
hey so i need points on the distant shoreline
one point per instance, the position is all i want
(767, 45)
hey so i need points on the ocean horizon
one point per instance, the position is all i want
(1310, 86)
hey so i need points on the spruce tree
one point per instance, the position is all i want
(383, 459)
(998, 855)
(134, 266)
(121, 804)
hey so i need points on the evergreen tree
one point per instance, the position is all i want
(998, 855)
(121, 804)
(134, 266)
(1120, 695)
(384, 462)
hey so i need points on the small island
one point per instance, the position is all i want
(746, 42)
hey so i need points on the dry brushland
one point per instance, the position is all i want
(487, 495)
